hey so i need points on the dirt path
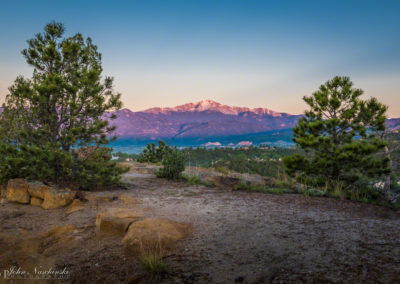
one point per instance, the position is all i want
(262, 237)
(238, 237)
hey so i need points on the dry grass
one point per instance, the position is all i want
(151, 259)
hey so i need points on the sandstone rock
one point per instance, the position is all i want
(31, 261)
(76, 205)
(17, 191)
(37, 189)
(36, 201)
(57, 239)
(128, 199)
(28, 250)
(56, 198)
(153, 232)
(115, 221)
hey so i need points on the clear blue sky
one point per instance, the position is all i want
(247, 53)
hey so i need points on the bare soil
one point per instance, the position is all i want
(238, 237)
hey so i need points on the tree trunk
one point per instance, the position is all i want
(389, 196)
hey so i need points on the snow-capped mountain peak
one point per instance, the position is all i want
(210, 105)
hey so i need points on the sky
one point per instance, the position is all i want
(237, 52)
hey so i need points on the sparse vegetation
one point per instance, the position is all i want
(172, 165)
(192, 180)
(151, 259)
(247, 186)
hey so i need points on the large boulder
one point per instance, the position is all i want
(37, 189)
(17, 191)
(56, 198)
(154, 232)
(115, 221)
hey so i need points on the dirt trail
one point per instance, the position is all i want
(238, 237)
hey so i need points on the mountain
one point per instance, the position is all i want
(209, 121)
(205, 119)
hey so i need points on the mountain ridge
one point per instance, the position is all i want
(206, 118)
(212, 106)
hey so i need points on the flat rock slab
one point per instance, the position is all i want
(76, 205)
(115, 221)
(29, 250)
(151, 233)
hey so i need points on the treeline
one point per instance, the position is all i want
(262, 160)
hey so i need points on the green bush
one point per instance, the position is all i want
(173, 165)
(192, 180)
(85, 168)
(154, 154)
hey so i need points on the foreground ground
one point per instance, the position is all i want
(237, 237)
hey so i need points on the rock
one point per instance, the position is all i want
(28, 250)
(153, 232)
(36, 201)
(17, 191)
(56, 198)
(128, 199)
(37, 189)
(31, 261)
(115, 221)
(58, 238)
(76, 205)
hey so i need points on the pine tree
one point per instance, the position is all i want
(173, 163)
(340, 135)
(61, 108)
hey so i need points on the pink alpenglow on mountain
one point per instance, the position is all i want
(245, 143)
(203, 119)
(208, 144)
